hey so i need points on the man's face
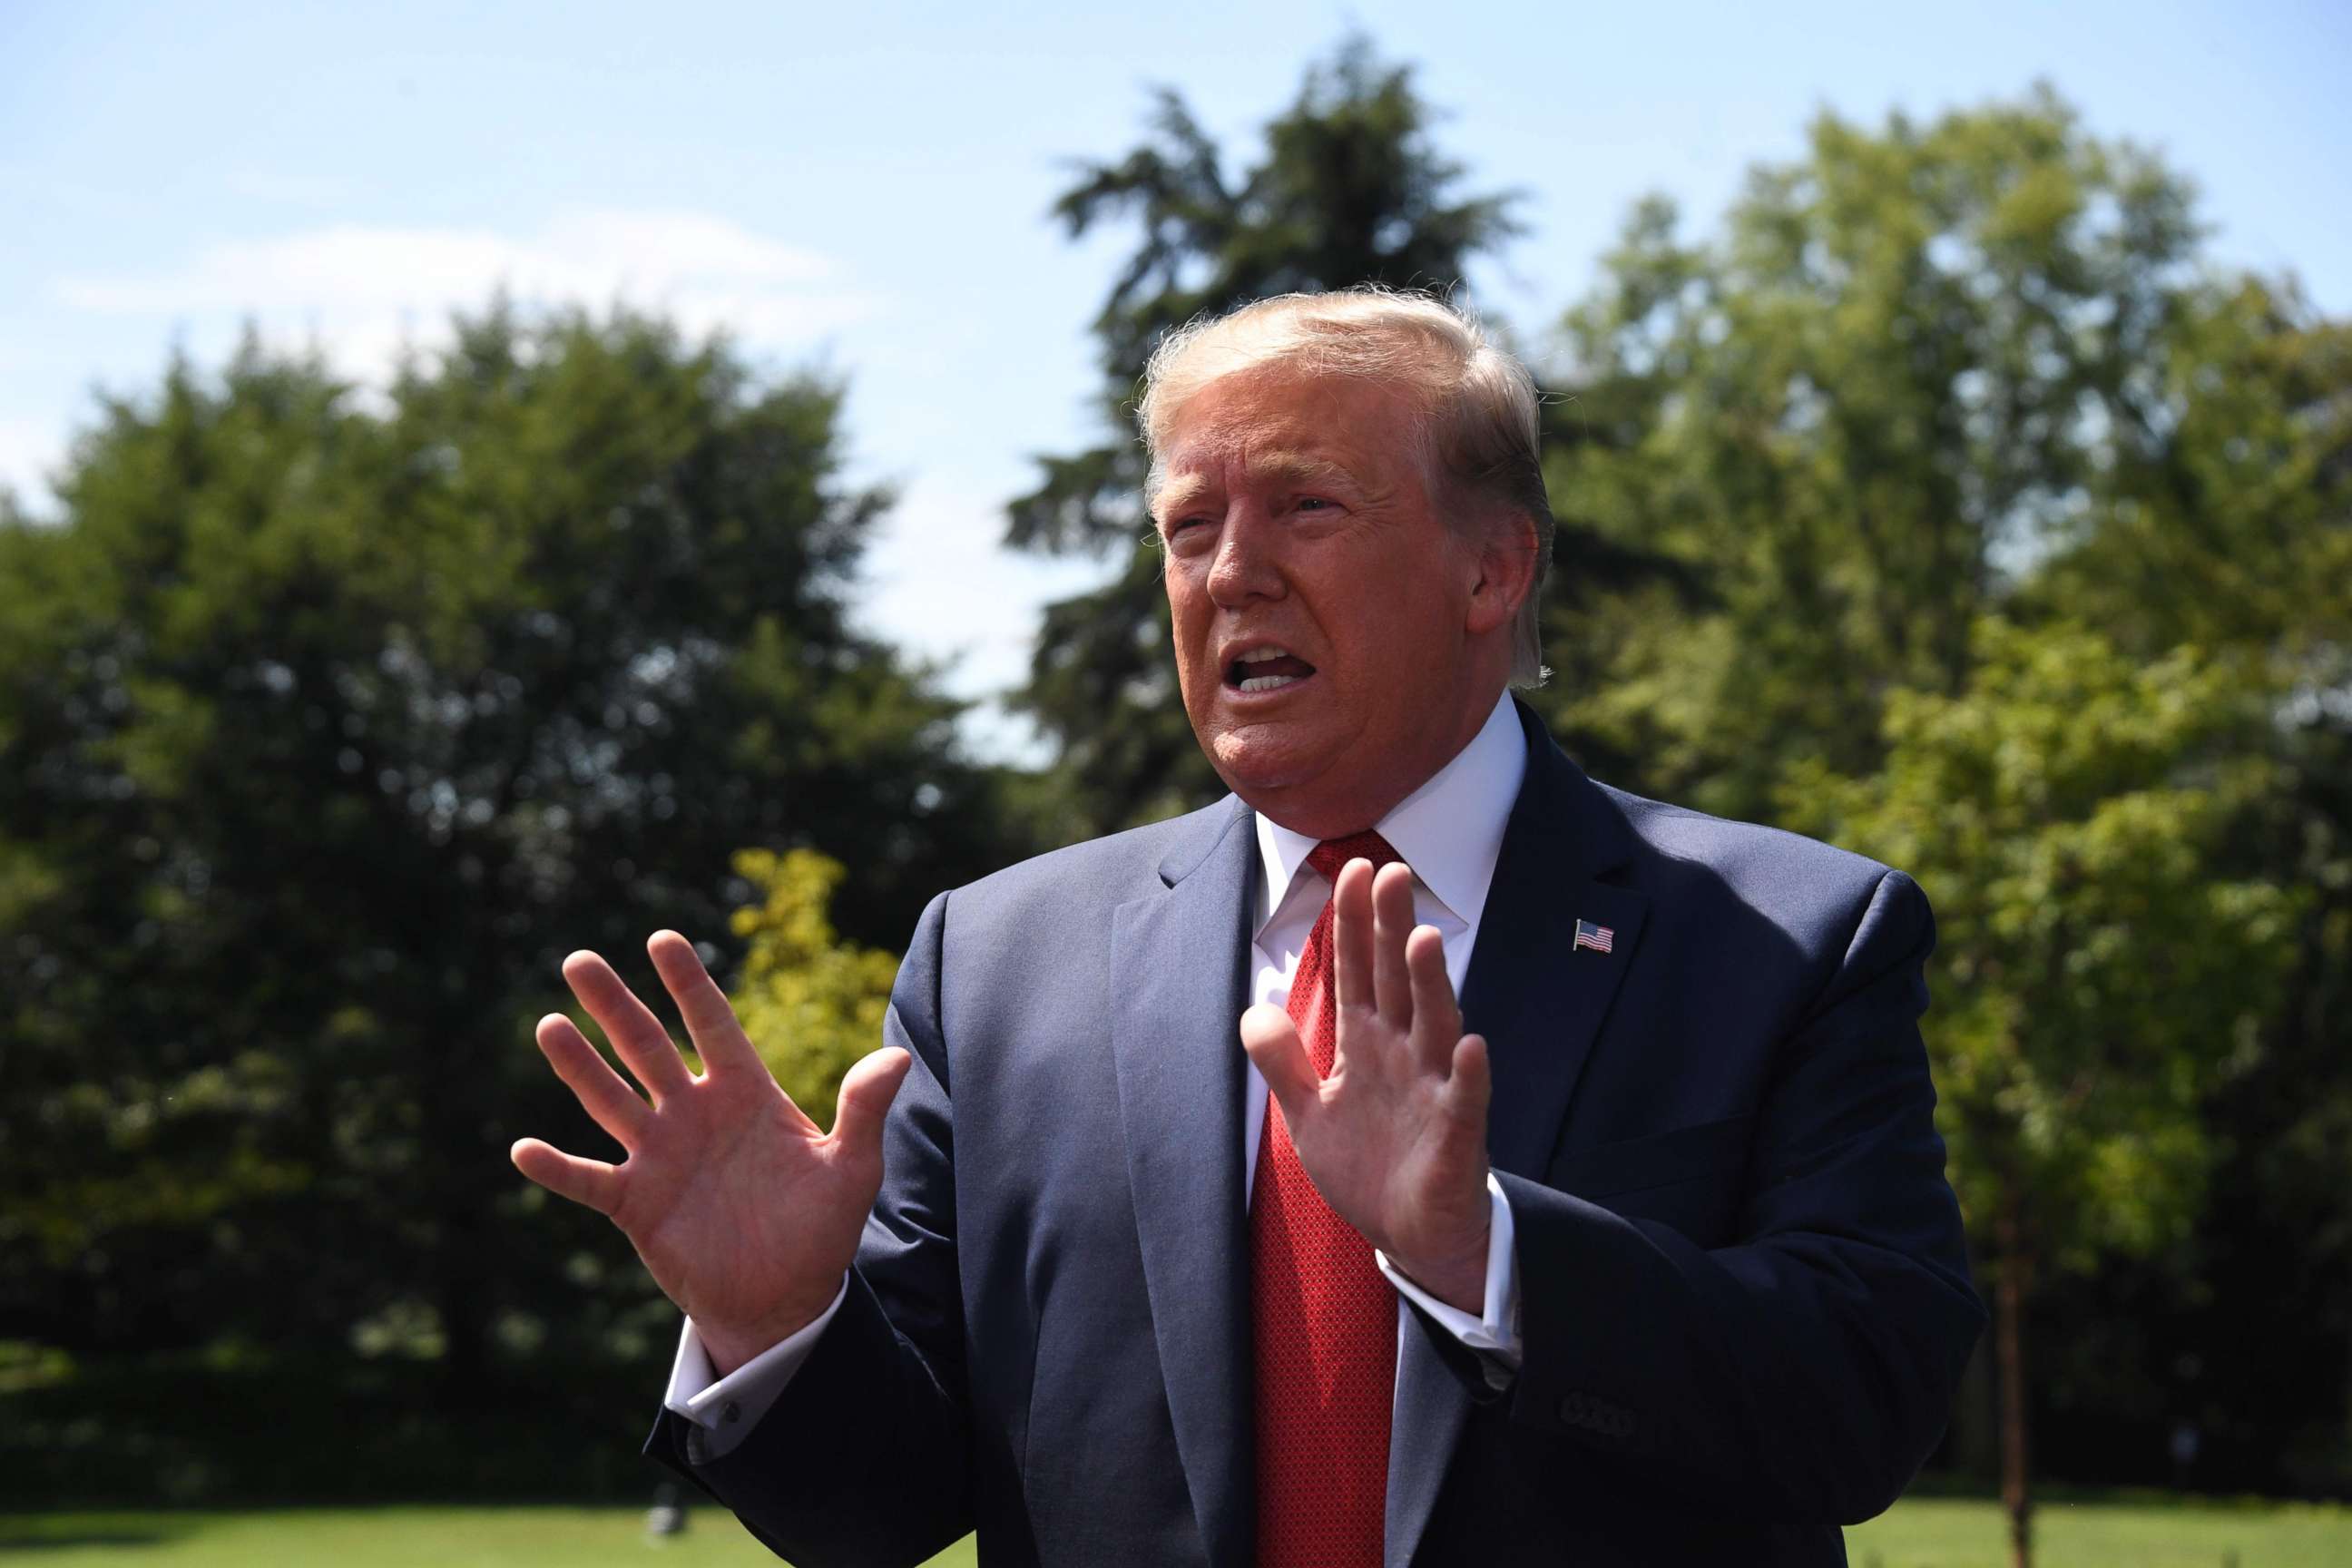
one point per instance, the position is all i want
(1333, 637)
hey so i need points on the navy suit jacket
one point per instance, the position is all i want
(1744, 1299)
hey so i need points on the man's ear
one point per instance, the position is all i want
(1507, 569)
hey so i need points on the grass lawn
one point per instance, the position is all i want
(382, 1538)
(1921, 1534)
(1950, 1532)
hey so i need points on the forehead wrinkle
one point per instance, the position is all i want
(1288, 445)
(1259, 461)
(1295, 466)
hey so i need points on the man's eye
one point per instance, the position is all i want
(1314, 503)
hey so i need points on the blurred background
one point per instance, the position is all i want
(476, 483)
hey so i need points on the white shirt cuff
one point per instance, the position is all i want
(726, 1409)
(1495, 1330)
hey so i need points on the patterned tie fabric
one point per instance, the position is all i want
(1324, 1318)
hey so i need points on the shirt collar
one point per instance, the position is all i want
(1449, 830)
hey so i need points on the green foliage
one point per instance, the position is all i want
(1348, 188)
(1901, 374)
(2095, 976)
(328, 726)
(2227, 519)
(1930, 373)
(812, 1003)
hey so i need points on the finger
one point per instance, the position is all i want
(1436, 1020)
(637, 1035)
(1391, 924)
(1352, 935)
(589, 1182)
(1273, 1043)
(709, 1017)
(1471, 1088)
(866, 1090)
(600, 1091)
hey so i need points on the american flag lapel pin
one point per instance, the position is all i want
(1599, 938)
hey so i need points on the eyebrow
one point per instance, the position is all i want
(1290, 468)
(1173, 496)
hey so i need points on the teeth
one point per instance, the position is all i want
(1259, 656)
(1269, 682)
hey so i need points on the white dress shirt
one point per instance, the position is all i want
(1450, 831)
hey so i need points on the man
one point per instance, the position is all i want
(1659, 1265)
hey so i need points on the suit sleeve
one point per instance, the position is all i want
(1806, 1372)
(865, 1458)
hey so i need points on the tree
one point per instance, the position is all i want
(327, 728)
(1932, 370)
(2096, 978)
(1348, 188)
(812, 1003)
(2228, 522)
(1892, 382)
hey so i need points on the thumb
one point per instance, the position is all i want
(1273, 1043)
(867, 1091)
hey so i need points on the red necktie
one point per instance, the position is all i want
(1324, 1318)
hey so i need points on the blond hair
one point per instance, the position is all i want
(1478, 433)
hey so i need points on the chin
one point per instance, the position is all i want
(1300, 783)
(1250, 760)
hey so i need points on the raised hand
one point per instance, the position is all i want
(1395, 1137)
(744, 1211)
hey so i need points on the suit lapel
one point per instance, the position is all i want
(1538, 998)
(1182, 960)
(1539, 1002)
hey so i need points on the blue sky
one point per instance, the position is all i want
(865, 186)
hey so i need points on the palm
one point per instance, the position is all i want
(1395, 1137)
(743, 1210)
(711, 1199)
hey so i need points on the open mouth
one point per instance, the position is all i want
(1267, 670)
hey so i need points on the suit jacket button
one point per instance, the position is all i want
(1573, 1410)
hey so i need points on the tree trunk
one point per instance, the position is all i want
(1975, 1417)
(2009, 1329)
(1975, 1405)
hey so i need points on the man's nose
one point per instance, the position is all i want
(1246, 566)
